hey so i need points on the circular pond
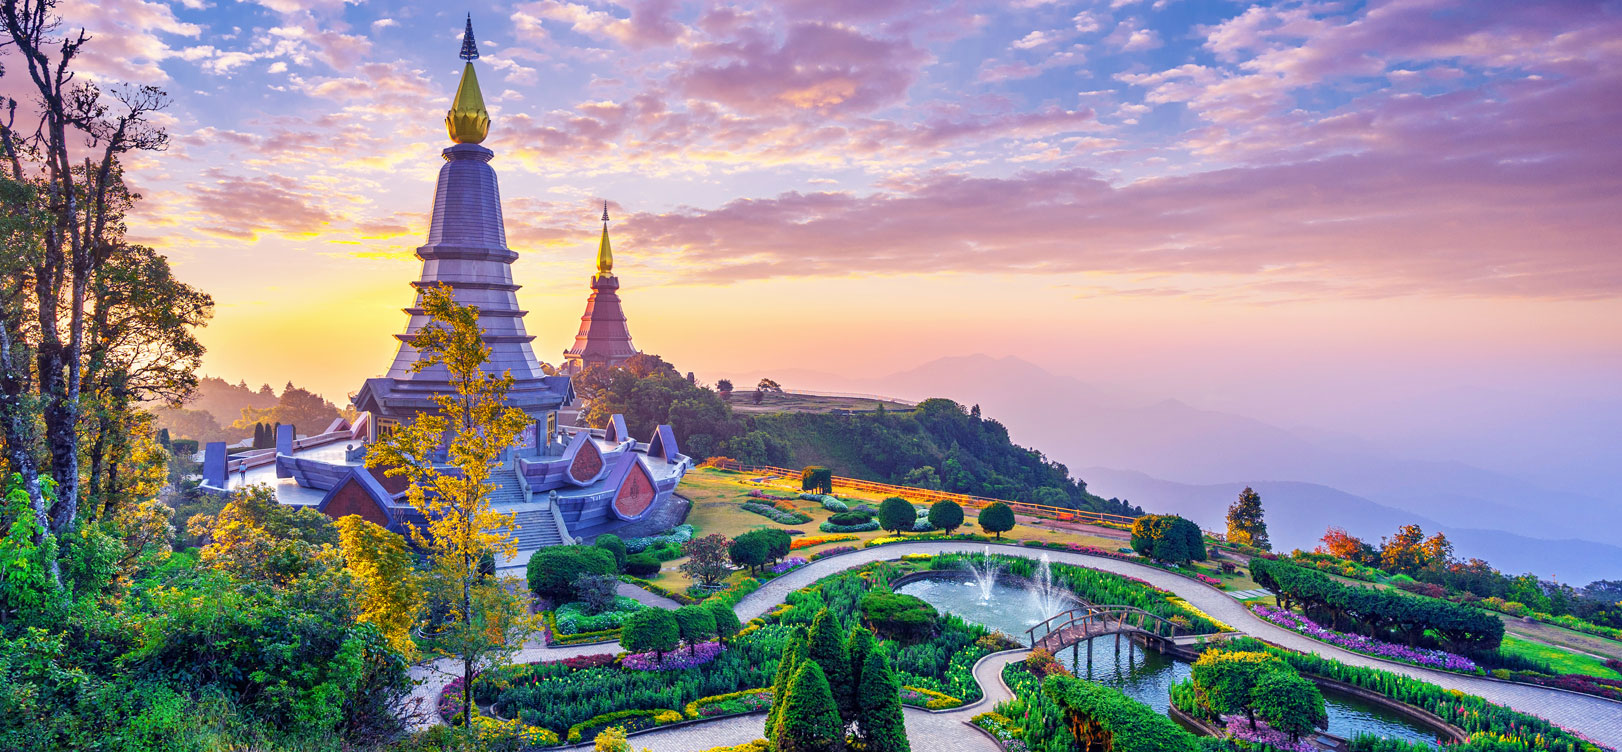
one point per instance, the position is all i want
(1144, 675)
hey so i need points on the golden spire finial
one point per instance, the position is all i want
(605, 254)
(468, 122)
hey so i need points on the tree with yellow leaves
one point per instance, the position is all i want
(486, 619)
(390, 588)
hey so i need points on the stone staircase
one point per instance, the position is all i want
(508, 490)
(536, 529)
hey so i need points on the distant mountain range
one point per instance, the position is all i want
(1169, 455)
(1298, 513)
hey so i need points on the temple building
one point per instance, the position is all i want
(560, 482)
(604, 338)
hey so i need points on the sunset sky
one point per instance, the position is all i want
(1316, 213)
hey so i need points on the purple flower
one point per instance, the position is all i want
(1240, 729)
(787, 564)
(686, 656)
(1366, 645)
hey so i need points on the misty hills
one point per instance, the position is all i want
(1298, 513)
(1359, 484)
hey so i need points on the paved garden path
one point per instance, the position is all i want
(1596, 718)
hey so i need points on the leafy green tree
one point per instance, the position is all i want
(707, 559)
(946, 515)
(696, 623)
(747, 551)
(896, 515)
(1288, 702)
(922, 477)
(651, 629)
(28, 593)
(726, 620)
(997, 518)
(879, 718)
(611, 543)
(552, 571)
(1225, 681)
(826, 647)
(810, 721)
(817, 479)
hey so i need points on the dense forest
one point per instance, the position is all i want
(221, 411)
(939, 444)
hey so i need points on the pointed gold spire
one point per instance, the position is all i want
(468, 122)
(605, 253)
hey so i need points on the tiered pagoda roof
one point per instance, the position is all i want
(605, 337)
(466, 250)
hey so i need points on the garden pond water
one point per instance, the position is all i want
(1144, 675)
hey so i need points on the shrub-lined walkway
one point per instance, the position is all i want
(1598, 719)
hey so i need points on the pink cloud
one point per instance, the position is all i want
(824, 68)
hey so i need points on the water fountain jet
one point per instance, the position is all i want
(985, 575)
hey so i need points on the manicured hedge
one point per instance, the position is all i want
(1473, 714)
(1133, 726)
(865, 527)
(774, 514)
(1378, 613)
(630, 718)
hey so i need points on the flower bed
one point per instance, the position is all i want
(1240, 729)
(1472, 714)
(818, 540)
(686, 656)
(555, 637)
(678, 535)
(731, 703)
(865, 527)
(756, 493)
(835, 551)
(494, 733)
(774, 514)
(628, 720)
(572, 618)
(791, 563)
(1002, 729)
(830, 503)
(920, 697)
(1437, 659)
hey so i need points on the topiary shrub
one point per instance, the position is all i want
(997, 518)
(642, 565)
(611, 543)
(726, 620)
(900, 617)
(946, 515)
(850, 518)
(552, 571)
(896, 515)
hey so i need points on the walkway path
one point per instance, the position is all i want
(1598, 719)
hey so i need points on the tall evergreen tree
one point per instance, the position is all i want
(827, 648)
(793, 653)
(810, 721)
(857, 647)
(1246, 524)
(883, 729)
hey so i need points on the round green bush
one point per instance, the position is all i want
(612, 544)
(642, 565)
(903, 617)
(552, 570)
(850, 518)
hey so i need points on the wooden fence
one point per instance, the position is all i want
(927, 495)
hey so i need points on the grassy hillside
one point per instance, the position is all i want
(938, 444)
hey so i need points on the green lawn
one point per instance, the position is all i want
(1560, 659)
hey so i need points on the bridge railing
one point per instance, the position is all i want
(1124, 617)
